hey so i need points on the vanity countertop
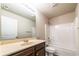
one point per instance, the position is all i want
(8, 49)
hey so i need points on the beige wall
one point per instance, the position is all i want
(41, 20)
(77, 28)
(0, 25)
(0, 19)
(62, 19)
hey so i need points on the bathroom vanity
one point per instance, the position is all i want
(37, 50)
(33, 47)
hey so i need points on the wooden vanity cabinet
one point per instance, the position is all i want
(37, 50)
(25, 52)
(40, 49)
(40, 52)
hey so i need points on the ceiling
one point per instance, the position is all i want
(55, 9)
(48, 9)
(20, 9)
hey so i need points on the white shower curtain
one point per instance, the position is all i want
(63, 36)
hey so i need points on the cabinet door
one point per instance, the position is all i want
(41, 52)
(39, 46)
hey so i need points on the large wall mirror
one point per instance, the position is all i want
(17, 21)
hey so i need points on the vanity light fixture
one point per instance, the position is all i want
(19, 9)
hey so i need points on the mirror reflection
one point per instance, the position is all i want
(17, 21)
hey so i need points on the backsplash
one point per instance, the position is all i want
(3, 42)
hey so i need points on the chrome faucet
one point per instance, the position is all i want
(26, 41)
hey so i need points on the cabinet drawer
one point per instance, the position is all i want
(39, 46)
(25, 52)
